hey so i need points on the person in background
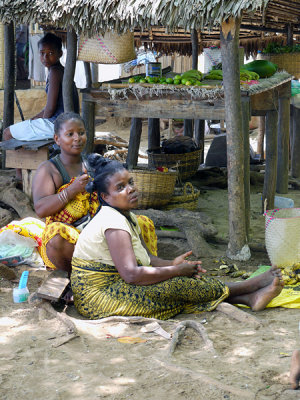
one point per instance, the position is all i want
(41, 126)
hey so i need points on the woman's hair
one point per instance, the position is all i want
(52, 39)
(62, 118)
(103, 169)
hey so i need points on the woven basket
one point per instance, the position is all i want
(155, 188)
(184, 197)
(186, 163)
(282, 234)
(290, 62)
(108, 49)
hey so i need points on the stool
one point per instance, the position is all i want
(27, 156)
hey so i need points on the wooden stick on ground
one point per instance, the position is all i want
(238, 314)
(208, 345)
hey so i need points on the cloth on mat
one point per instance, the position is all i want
(33, 129)
(289, 296)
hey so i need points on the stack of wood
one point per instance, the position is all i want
(112, 146)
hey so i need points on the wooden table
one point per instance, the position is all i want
(27, 156)
(270, 99)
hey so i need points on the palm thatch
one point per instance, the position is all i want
(93, 16)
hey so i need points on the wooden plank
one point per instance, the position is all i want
(159, 108)
(14, 144)
(149, 85)
(25, 159)
(264, 101)
(54, 285)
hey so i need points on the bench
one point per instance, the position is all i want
(27, 156)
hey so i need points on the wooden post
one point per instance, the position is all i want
(194, 38)
(289, 34)
(188, 127)
(271, 160)
(94, 71)
(261, 137)
(67, 85)
(88, 115)
(295, 170)
(283, 145)
(237, 246)
(134, 142)
(153, 133)
(199, 129)
(88, 74)
(245, 121)
(9, 75)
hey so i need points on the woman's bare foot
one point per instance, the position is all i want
(262, 297)
(266, 278)
(295, 370)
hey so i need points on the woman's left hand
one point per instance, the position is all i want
(182, 259)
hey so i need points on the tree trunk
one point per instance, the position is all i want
(68, 78)
(237, 247)
(246, 118)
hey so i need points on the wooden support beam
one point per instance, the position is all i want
(153, 135)
(9, 75)
(134, 142)
(271, 160)
(188, 127)
(261, 137)
(289, 34)
(245, 123)
(88, 115)
(237, 247)
(195, 44)
(283, 145)
(88, 74)
(68, 79)
(199, 129)
(295, 150)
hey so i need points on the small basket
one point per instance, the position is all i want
(110, 48)
(282, 234)
(155, 188)
(187, 163)
(289, 62)
(184, 197)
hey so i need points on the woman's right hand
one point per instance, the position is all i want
(79, 184)
(188, 269)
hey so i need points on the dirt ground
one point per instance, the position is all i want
(41, 359)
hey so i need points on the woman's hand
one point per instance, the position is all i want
(79, 184)
(194, 266)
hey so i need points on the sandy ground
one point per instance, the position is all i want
(40, 359)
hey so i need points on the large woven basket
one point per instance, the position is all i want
(186, 163)
(184, 197)
(282, 234)
(289, 62)
(110, 48)
(155, 188)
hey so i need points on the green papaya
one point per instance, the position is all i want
(263, 68)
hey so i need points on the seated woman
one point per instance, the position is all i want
(114, 274)
(59, 194)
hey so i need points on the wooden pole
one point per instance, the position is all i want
(237, 246)
(194, 38)
(68, 78)
(283, 145)
(153, 135)
(199, 129)
(188, 127)
(88, 74)
(295, 169)
(88, 115)
(134, 142)
(271, 160)
(9, 75)
(289, 34)
(245, 121)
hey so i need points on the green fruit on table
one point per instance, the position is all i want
(162, 80)
(177, 81)
(183, 81)
(188, 83)
(169, 80)
(177, 77)
(131, 80)
(143, 80)
(263, 68)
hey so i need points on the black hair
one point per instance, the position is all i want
(62, 118)
(50, 38)
(103, 169)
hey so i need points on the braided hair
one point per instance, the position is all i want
(66, 116)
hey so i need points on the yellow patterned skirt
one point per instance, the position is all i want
(99, 291)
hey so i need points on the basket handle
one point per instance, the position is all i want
(188, 185)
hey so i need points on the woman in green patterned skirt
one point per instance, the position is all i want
(114, 274)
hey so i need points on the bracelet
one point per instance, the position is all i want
(63, 196)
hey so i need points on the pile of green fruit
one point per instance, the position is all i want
(188, 78)
(245, 75)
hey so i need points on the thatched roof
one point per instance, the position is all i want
(164, 24)
(90, 16)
